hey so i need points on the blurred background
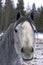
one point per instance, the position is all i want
(9, 8)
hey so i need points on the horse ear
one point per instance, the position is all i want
(18, 16)
(32, 15)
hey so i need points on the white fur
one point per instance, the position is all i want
(24, 38)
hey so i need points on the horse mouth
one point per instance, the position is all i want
(27, 59)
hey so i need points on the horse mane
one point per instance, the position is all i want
(8, 55)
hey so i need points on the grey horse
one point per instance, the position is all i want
(16, 44)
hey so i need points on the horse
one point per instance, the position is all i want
(17, 42)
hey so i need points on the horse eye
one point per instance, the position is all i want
(16, 30)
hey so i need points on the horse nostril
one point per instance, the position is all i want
(32, 49)
(22, 50)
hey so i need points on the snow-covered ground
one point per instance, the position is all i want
(39, 35)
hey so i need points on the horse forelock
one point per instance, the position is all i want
(22, 20)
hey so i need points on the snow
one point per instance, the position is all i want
(1, 34)
(39, 35)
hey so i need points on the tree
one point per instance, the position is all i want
(34, 10)
(0, 13)
(33, 7)
(20, 6)
(9, 13)
(41, 20)
(2, 19)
